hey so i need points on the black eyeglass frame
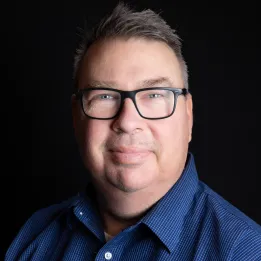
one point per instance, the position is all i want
(131, 94)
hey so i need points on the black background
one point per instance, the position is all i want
(41, 164)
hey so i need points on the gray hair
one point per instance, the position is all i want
(126, 23)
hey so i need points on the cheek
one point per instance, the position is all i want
(171, 135)
(94, 136)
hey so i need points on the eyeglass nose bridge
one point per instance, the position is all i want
(124, 96)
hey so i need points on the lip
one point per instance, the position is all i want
(129, 150)
(124, 155)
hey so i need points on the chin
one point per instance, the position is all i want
(127, 188)
(130, 186)
(116, 178)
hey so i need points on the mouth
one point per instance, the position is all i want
(129, 155)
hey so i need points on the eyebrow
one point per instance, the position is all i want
(143, 84)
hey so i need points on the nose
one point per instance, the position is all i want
(129, 121)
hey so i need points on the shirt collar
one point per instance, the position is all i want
(86, 210)
(166, 218)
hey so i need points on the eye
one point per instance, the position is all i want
(155, 95)
(105, 97)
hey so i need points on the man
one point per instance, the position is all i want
(133, 119)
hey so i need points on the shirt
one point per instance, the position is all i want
(190, 222)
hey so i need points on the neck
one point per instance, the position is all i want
(120, 210)
(113, 225)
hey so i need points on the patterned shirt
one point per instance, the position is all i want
(191, 222)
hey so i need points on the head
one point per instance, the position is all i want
(127, 51)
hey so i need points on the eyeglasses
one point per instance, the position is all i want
(151, 103)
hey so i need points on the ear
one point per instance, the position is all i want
(189, 108)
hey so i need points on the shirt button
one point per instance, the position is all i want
(108, 255)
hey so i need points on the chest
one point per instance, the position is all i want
(129, 246)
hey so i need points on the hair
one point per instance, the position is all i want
(123, 22)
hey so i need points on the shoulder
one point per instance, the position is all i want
(227, 211)
(38, 222)
(241, 233)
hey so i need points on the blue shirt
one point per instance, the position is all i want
(191, 222)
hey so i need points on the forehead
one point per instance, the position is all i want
(126, 63)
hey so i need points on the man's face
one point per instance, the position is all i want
(130, 153)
